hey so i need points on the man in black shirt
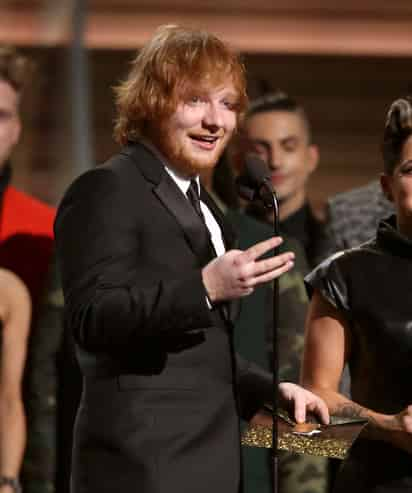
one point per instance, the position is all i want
(278, 129)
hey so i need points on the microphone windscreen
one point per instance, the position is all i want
(244, 188)
(256, 169)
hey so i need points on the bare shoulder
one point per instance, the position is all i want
(14, 295)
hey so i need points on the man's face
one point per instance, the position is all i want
(281, 139)
(195, 135)
(9, 121)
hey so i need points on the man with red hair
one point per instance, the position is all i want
(150, 279)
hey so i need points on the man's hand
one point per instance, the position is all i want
(303, 401)
(237, 273)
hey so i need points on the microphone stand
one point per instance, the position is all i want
(270, 201)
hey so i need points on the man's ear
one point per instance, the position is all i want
(313, 156)
(386, 185)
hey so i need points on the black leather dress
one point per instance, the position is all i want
(372, 286)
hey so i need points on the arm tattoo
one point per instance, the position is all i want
(351, 410)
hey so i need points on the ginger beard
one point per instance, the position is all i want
(185, 158)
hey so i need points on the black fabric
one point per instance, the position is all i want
(159, 409)
(370, 285)
(303, 226)
(194, 198)
(391, 240)
(308, 230)
(5, 177)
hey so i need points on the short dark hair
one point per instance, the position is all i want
(398, 128)
(15, 68)
(278, 101)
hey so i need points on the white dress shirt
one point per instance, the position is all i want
(211, 223)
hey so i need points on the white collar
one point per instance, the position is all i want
(182, 183)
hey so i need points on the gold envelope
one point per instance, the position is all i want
(333, 440)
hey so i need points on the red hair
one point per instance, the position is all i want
(172, 60)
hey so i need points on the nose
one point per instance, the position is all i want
(213, 118)
(274, 158)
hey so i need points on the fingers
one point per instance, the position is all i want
(310, 402)
(319, 407)
(261, 248)
(278, 263)
(300, 409)
(266, 270)
(303, 401)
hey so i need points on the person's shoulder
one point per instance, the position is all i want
(244, 223)
(363, 196)
(13, 291)
(351, 260)
(9, 279)
(96, 180)
(26, 200)
(116, 169)
(23, 211)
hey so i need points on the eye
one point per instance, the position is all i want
(263, 148)
(194, 100)
(290, 145)
(406, 168)
(229, 104)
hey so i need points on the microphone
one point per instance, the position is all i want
(255, 183)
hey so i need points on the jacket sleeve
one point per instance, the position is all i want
(111, 298)
(254, 386)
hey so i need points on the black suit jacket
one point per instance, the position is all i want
(159, 410)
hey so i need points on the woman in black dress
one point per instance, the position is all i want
(361, 314)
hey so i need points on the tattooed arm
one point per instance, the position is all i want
(327, 348)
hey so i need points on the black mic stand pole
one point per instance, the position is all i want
(271, 202)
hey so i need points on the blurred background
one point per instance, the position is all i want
(343, 61)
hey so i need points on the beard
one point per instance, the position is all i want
(181, 158)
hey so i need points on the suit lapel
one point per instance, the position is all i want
(171, 197)
(177, 204)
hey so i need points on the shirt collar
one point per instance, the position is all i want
(182, 183)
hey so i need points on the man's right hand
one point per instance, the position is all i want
(236, 273)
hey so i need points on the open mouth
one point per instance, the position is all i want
(204, 142)
(208, 139)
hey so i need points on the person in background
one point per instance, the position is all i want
(26, 224)
(15, 315)
(360, 314)
(151, 280)
(353, 216)
(256, 312)
(26, 246)
(278, 129)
